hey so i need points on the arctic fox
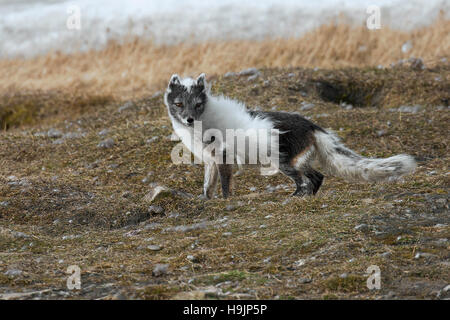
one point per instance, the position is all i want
(303, 147)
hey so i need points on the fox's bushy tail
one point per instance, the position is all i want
(336, 159)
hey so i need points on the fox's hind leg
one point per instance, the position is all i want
(307, 180)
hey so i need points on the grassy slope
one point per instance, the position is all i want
(83, 205)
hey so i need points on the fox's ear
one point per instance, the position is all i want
(174, 80)
(201, 80)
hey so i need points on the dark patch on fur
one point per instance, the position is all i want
(345, 152)
(296, 132)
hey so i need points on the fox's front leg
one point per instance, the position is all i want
(225, 172)
(210, 181)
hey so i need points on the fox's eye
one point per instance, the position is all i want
(179, 104)
(198, 105)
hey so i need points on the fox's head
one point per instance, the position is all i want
(186, 98)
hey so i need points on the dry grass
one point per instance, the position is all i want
(138, 67)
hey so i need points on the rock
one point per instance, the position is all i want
(4, 204)
(409, 109)
(249, 72)
(158, 192)
(155, 209)
(424, 255)
(386, 254)
(173, 215)
(306, 106)
(53, 133)
(188, 228)
(152, 226)
(126, 106)
(381, 133)
(304, 280)
(13, 272)
(343, 275)
(209, 292)
(229, 74)
(73, 135)
(106, 144)
(253, 77)
(299, 263)
(416, 63)
(362, 227)
(227, 234)
(59, 141)
(104, 132)
(230, 207)
(160, 270)
(152, 139)
(154, 247)
(192, 258)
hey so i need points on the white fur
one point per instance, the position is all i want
(355, 167)
(222, 113)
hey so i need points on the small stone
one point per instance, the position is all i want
(229, 74)
(306, 106)
(155, 209)
(104, 132)
(152, 226)
(409, 109)
(386, 254)
(249, 72)
(160, 270)
(192, 258)
(362, 227)
(188, 228)
(154, 247)
(230, 207)
(299, 263)
(173, 215)
(424, 255)
(13, 272)
(253, 77)
(158, 192)
(4, 204)
(343, 275)
(152, 139)
(227, 234)
(304, 280)
(54, 133)
(126, 106)
(73, 135)
(416, 63)
(106, 144)
(381, 133)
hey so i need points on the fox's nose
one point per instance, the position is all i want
(190, 120)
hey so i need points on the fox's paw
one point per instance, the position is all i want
(203, 197)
